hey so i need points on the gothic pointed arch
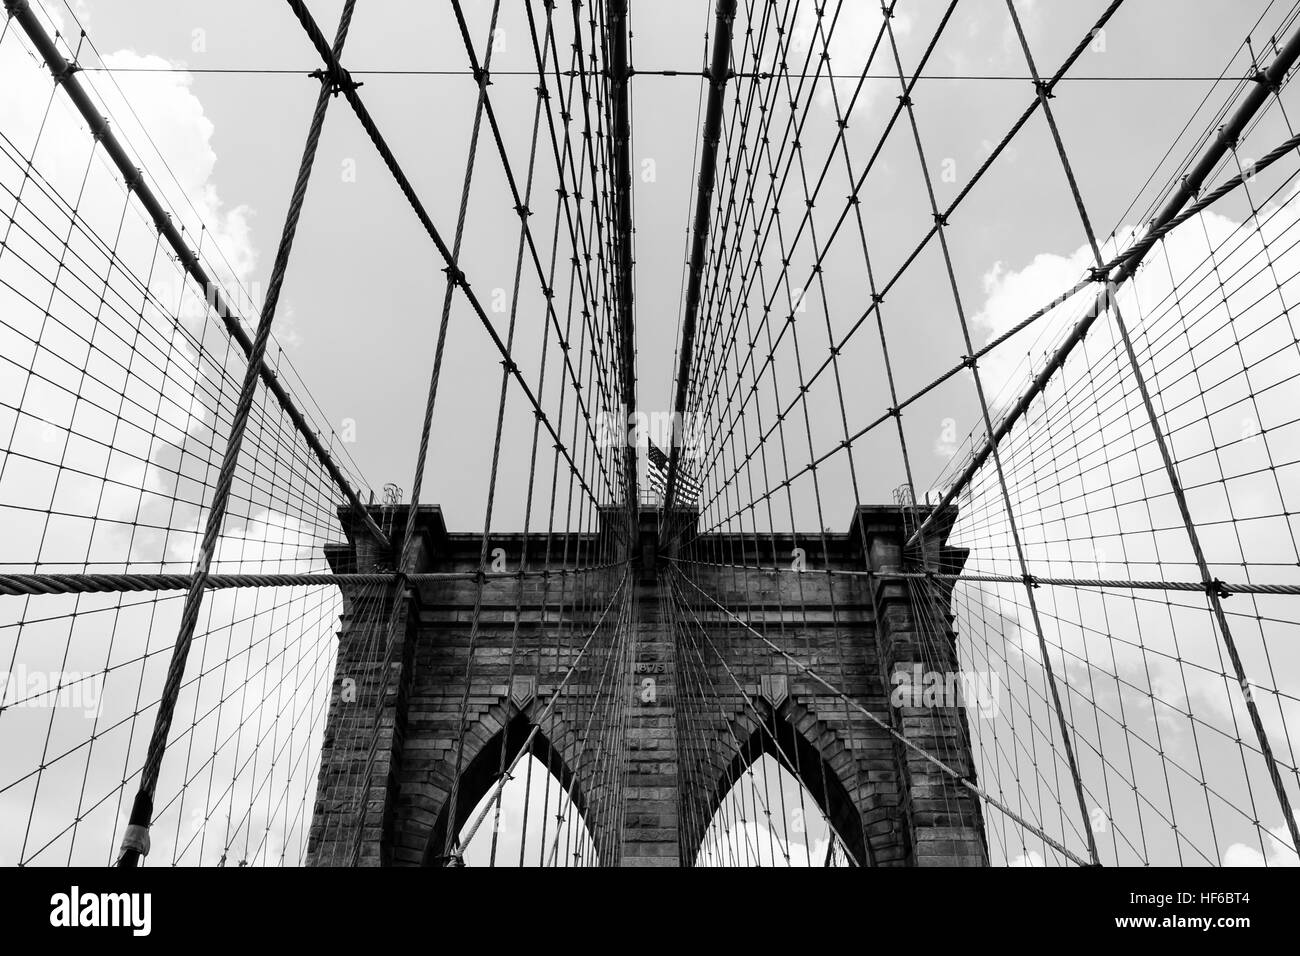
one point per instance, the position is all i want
(814, 755)
(553, 746)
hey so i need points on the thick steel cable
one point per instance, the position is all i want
(523, 209)
(20, 584)
(775, 194)
(1224, 588)
(617, 42)
(64, 74)
(1171, 472)
(719, 252)
(1127, 265)
(710, 137)
(136, 840)
(931, 232)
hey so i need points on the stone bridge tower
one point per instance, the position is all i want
(889, 805)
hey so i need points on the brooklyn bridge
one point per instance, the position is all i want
(744, 433)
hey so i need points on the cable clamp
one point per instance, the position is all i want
(136, 838)
(336, 80)
(69, 68)
(1228, 141)
(1259, 76)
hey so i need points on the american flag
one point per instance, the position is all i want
(688, 490)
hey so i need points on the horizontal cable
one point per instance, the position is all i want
(1221, 587)
(920, 751)
(662, 72)
(21, 584)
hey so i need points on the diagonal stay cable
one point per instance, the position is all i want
(1267, 83)
(969, 785)
(395, 617)
(524, 748)
(135, 841)
(64, 72)
(1212, 592)
(1013, 525)
(522, 205)
(455, 275)
(1134, 252)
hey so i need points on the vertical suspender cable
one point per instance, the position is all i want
(1213, 594)
(1266, 83)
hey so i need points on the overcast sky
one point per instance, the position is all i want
(365, 282)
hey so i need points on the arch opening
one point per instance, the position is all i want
(541, 819)
(769, 818)
(536, 823)
(779, 802)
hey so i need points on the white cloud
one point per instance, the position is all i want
(1208, 363)
(160, 368)
(857, 27)
(1032, 858)
(116, 468)
(1279, 853)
